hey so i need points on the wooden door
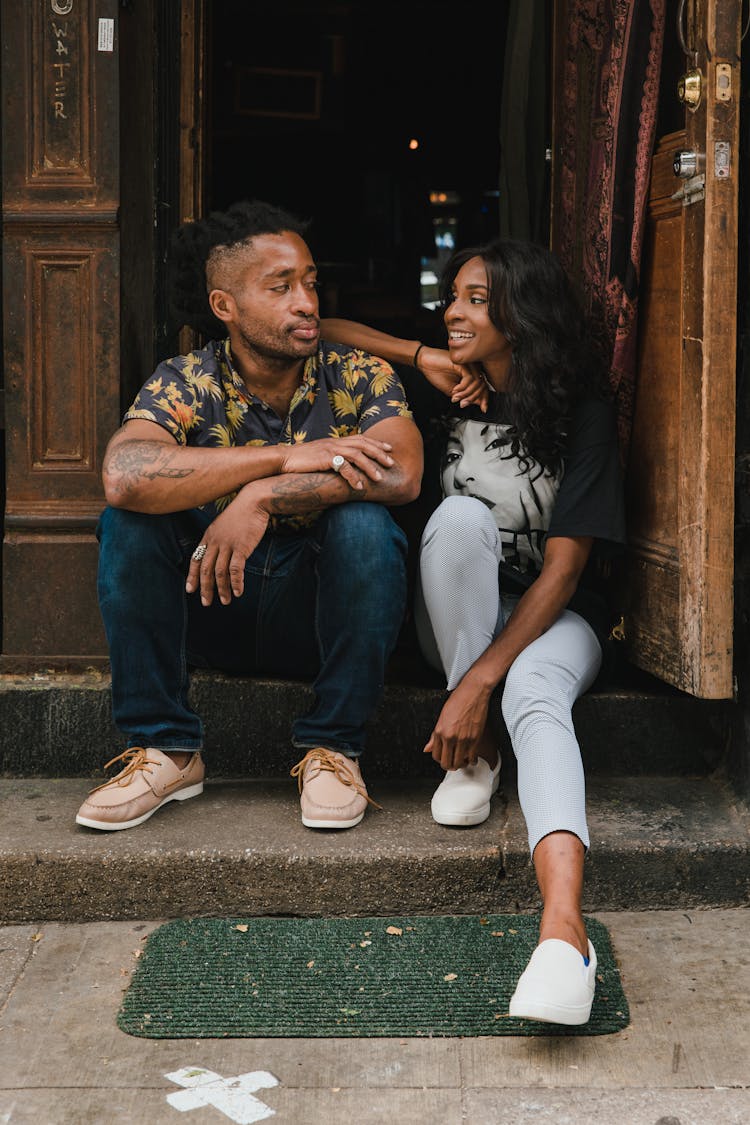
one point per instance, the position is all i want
(60, 246)
(680, 479)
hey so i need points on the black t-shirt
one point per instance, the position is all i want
(531, 505)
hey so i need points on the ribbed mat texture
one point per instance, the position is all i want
(315, 977)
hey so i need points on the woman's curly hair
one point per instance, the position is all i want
(192, 244)
(555, 358)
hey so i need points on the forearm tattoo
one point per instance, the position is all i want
(136, 461)
(296, 494)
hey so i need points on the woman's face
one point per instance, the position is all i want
(476, 463)
(472, 337)
(470, 466)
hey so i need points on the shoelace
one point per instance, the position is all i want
(325, 760)
(136, 758)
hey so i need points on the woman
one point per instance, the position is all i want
(505, 567)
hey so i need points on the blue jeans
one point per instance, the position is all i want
(324, 604)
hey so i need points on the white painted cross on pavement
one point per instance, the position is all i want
(231, 1096)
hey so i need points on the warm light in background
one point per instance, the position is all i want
(413, 143)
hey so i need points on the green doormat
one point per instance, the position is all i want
(316, 977)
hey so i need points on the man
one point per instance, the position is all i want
(247, 524)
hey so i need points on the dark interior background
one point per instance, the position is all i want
(380, 124)
(314, 105)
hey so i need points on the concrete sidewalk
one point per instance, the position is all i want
(683, 1060)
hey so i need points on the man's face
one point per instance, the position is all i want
(274, 299)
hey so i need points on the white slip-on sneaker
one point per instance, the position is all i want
(463, 796)
(557, 986)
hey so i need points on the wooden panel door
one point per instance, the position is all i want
(680, 481)
(61, 317)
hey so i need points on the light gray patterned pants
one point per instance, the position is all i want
(459, 613)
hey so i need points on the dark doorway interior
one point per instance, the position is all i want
(380, 122)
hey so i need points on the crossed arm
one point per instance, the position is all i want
(145, 470)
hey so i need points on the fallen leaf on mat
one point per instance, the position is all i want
(394, 930)
(310, 964)
(498, 933)
(242, 928)
(450, 976)
(364, 943)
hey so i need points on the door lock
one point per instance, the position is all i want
(689, 89)
(686, 164)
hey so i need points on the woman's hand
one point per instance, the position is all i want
(230, 540)
(465, 384)
(462, 720)
(472, 388)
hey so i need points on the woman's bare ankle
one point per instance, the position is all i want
(565, 928)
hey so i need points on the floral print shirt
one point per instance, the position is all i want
(200, 399)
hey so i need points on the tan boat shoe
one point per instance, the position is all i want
(148, 780)
(332, 792)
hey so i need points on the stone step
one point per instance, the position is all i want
(60, 725)
(240, 849)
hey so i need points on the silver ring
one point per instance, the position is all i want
(199, 552)
(337, 463)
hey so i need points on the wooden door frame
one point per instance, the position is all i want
(192, 131)
(684, 635)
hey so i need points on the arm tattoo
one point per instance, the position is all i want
(294, 494)
(298, 493)
(134, 461)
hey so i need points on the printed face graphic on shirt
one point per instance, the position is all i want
(477, 462)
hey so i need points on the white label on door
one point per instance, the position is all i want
(106, 35)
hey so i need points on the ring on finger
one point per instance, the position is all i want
(199, 552)
(337, 463)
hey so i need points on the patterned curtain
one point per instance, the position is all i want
(607, 105)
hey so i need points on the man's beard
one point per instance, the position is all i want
(275, 352)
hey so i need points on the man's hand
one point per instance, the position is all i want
(462, 720)
(234, 535)
(230, 540)
(362, 455)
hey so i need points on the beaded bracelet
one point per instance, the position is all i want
(416, 354)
